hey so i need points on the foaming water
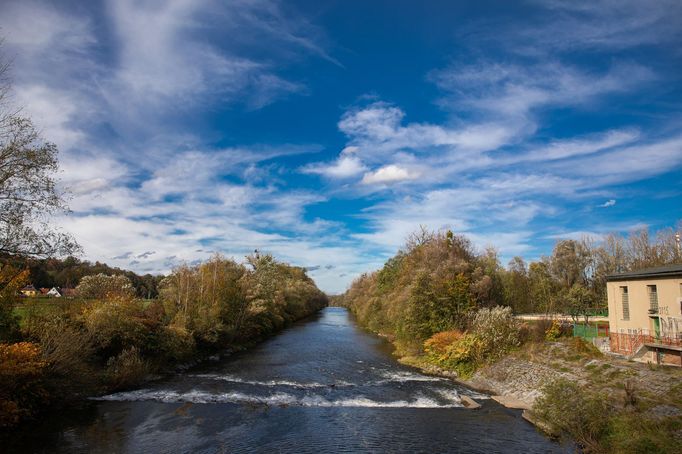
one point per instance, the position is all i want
(233, 379)
(322, 385)
(405, 376)
(276, 399)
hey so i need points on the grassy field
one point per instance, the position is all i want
(44, 307)
(53, 306)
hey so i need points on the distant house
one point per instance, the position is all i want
(645, 314)
(29, 290)
(54, 293)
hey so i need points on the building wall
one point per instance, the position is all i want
(669, 292)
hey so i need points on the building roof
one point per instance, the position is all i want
(659, 272)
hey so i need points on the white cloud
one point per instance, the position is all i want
(601, 25)
(516, 90)
(376, 131)
(164, 58)
(608, 203)
(569, 148)
(389, 174)
(34, 25)
(52, 111)
(628, 164)
(344, 167)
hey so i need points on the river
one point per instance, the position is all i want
(322, 385)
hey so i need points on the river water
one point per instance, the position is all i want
(322, 385)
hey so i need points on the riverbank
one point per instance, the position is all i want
(98, 386)
(642, 410)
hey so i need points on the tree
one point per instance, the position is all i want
(569, 261)
(517, 288)
(28, 189)
(11, 280)
(580, 300)
(101, 286)
(541, 287)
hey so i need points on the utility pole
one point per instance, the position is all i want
(677, 242)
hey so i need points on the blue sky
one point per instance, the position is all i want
(326, 131)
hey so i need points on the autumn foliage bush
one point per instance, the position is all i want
(65, 348)
(492, 332)
(22, 391)
(554, 331)
(115, 325)
(11, 280)
(439, 342)
(454, 350)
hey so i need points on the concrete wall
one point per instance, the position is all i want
(669, 312)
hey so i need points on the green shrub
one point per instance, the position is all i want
(176, 344)
(496, 329)
(569, 409)
(635, 433)
(126, 369)
(115, 325)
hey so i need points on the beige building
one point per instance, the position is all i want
(645, 314)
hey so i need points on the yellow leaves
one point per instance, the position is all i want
(554, 331)
(439, 342)
(21, 368)
(12, 280)
(452, 347)
(466, 349)
(21, 359)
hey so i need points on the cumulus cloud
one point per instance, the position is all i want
(388, 174)
(377, 130)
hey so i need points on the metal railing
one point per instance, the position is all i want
(629, 343)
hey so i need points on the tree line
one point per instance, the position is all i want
(68, 272)
(438, 280)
